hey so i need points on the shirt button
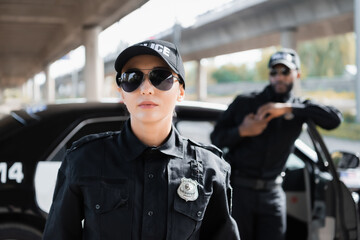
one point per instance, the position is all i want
(199, 213)
(97, 206)
(150, 213)
(151, 176)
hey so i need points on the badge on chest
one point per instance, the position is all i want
(188, 189)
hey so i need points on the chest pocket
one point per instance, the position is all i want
(107, 200)
(193, 209)
(189, 215)
(105, 195)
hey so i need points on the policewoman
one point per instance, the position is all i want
(147, 181)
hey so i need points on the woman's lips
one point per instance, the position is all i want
(148, 104)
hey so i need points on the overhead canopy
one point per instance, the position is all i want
(34, 33)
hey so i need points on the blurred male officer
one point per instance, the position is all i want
(260, 129)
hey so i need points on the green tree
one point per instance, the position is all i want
(261, 67)
(348, 49)
(327, 56)
(233, 73)
(225, 74)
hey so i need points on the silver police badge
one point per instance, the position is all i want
(188, 189)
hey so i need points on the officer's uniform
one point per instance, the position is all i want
(257, 162)
(124, 189)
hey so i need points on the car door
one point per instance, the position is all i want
(46, 171)
(319, 205)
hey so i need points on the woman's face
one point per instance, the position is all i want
(147, 104)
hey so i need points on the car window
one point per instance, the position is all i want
(294, 162)
(84, 128)
(305, 145)
(198, 131)
(305, 138)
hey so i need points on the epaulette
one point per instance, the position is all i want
(90, 138)
(210, 147)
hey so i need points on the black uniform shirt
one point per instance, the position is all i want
(124, 189)
(264, 156)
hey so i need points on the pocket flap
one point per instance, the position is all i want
(193, 209)
(103, 197)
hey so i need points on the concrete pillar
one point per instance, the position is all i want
(94, 65)
(357, 44)
(49, 86)
(177, 34)
(2, 97)
(30, 89)
(288, 40)
(36, 91)
(23, 90)
(75, 85)
(201, 81)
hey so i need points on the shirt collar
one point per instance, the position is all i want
(173, 146)
(131, 147)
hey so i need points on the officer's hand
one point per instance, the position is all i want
(273, 110)
(251, 126)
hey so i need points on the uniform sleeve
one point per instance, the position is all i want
(327, 117)
(66, 214)
(218, 223)
(226, 132)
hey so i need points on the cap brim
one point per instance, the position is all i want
(284, 62)
(133, 51)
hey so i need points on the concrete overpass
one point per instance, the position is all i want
(241, 25)
(35, 33)
(244, 25)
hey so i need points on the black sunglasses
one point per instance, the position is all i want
(284, 71)
(162, 79)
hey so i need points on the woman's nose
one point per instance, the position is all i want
(146, 86)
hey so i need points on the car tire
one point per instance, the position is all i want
(18, 231)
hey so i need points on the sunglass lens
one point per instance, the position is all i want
(273, 72)
(285, 71)
(130, 81)
(161, 79)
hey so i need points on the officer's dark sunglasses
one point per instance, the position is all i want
(284, 71)
(162, 79)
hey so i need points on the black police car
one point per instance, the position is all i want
(33, 141)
